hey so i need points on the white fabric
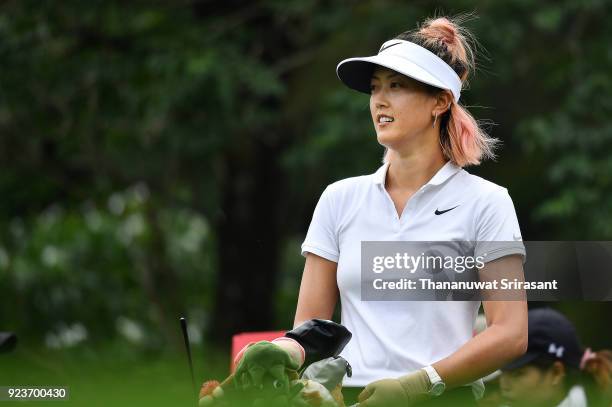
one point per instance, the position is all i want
(416, 62)
(576, 397)
(392, 338)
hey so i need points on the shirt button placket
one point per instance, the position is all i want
(409, 211)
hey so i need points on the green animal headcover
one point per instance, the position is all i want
(264, 369)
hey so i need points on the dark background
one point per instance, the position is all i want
(164, 158)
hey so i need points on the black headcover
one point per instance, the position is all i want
(8, 341)
(320, 339)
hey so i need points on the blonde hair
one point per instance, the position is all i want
(462, 138)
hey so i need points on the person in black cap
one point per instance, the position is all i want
(556, 370)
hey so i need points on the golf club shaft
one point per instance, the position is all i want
(188, 348)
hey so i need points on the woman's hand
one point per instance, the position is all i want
(403, 391)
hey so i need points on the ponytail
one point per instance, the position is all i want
(598, 365)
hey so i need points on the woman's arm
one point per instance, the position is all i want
(318, 290)
(504, 339)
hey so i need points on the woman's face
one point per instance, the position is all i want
(528, 386)
(401, 107)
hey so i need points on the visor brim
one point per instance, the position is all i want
(356, 73)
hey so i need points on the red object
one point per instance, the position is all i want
(241, 340)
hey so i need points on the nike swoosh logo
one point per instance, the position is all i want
(444, 211)
(388, 46)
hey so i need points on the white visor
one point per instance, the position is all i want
(406, 58)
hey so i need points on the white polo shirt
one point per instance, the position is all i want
(392, 338)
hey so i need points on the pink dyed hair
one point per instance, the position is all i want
(463, 140)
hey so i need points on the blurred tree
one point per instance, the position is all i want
(573, 134)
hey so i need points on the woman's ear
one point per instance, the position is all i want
(557, 371)
(444, 99)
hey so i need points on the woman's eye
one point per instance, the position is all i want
(395, 84)
(372, 87)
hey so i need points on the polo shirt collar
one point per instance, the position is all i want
(442, 175)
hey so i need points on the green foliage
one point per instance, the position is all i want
(573, 133)
(67, 266)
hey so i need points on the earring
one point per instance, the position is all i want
(435, 119)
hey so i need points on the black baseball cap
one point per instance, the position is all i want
(551, 335)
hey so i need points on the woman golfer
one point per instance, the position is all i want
(402, 352)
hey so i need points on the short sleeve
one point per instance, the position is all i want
(322, 237)
(497, 229)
